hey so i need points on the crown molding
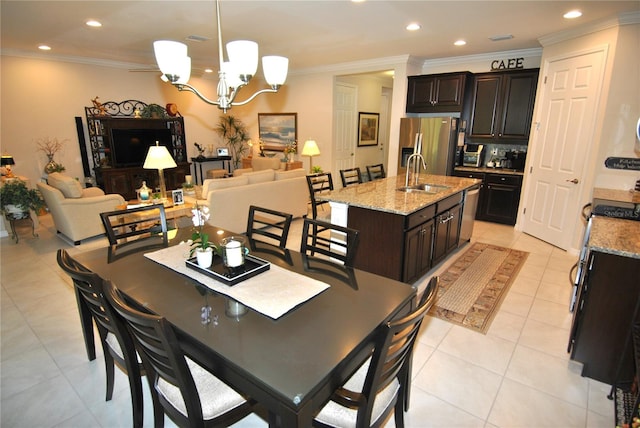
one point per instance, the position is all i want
(456, 60)
(626, 18)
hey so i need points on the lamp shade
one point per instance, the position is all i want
(6, 160)
(243, 54)
(170, 56)
(158, 157)
(275, 69)
(310, 148)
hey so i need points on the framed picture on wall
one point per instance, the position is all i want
(277, 130)
(368, 124)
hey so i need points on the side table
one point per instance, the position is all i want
(13, 217)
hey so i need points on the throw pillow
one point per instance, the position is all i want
(69, 186)
(260, 176)
(285, 175)
(222, 183)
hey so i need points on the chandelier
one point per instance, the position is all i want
(175, 65)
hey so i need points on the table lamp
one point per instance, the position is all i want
(158, 157)
(6, 161)
(310, 149)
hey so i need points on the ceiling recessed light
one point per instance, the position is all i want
(44, 48)
(413, 26)
(459, 43)
(208, 70)
(93, 23)
(572, 14)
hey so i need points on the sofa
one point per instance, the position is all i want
(229, 199)
(74, 209)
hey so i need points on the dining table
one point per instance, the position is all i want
(290, 363)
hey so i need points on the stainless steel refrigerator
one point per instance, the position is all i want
(437, 139)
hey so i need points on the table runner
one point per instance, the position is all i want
(272, 293)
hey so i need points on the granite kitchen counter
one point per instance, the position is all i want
(383, 195)
(625, 196)
(615, 236)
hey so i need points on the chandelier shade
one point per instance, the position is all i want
(175, 65)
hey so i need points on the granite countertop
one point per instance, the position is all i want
(615, 236)
(382, 195)
(629, 196)
(486, 170)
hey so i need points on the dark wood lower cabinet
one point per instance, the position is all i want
(447, 233)
(125, 181)
(606, 309)
(417, 250)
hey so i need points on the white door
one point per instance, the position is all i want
(561, 144)
(345, 121)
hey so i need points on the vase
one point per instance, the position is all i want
(204, 257)
(51, 165)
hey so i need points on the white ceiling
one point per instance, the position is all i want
(311, 33)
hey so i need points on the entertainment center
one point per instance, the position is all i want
(120, 135)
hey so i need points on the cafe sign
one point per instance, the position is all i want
(507, 64)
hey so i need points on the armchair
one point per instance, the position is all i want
(77, 215)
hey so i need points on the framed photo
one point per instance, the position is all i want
(222, 151)
(368, 124)
(178, 197)
(277, 129)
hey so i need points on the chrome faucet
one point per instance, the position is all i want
(416, 168)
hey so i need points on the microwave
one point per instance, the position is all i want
(472, 155)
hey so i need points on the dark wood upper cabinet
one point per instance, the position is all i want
(437, 93)
(502, 107)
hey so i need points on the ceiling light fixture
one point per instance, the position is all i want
(572, 14)
(459, 43)
(44, 48)
(413, 26)
(175, 66)
(93, 23)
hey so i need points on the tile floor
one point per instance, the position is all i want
(517, 375)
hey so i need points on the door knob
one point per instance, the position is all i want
(574, 181)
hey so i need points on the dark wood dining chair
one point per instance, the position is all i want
(136, 229)
(268, 225)
(117, 344)
(376, 172)
(190, 395)
(318, 184)
(350, 176)
(378, 387)
(330, 240)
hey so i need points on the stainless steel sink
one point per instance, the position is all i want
(424, 188)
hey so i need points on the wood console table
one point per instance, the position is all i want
(197, 165)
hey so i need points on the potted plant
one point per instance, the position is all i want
(51, 146)
(235, 134)
(17, 198)
(200, 244)
(153, 111)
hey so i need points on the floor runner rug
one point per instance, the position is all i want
(473, 287)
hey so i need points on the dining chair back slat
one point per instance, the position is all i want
(318, 184)
(90, 292)
(350, 176)
(383, 376)
(178, 385)
(268, 225)
(330, 240)
(136, 229)
(376, 172)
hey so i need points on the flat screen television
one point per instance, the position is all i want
(129, 146)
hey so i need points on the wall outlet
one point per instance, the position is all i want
(494, 152)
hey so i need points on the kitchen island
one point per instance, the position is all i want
(402, 234)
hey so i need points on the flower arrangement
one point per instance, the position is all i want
(199, 239)
(200, 150)
(291, 148)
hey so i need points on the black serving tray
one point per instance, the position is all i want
(231, 276)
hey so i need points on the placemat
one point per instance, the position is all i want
(272, 293)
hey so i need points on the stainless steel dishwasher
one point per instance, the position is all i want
(469, 213)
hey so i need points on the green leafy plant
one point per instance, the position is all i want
(16, 192)
(154, 111)
(316, 169)
(235, 135)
